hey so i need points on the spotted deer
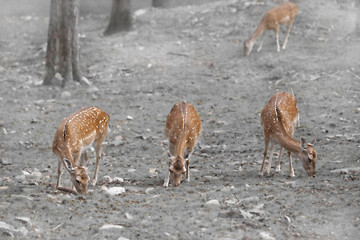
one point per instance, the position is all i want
(278, 118)
(183, 128)
(272, 19)
(76, 133)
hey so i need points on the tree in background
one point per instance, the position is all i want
(62, 53)
(120, 18)
(160, 3)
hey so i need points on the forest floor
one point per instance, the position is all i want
(192, 53)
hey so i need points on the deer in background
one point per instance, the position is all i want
(278, 118)
(282, 14)
(75, 133)
(183, 128)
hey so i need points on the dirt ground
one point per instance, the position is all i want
(192, 53)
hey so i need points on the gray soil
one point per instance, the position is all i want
(192, 53)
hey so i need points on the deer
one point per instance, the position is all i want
(272, 19)
(74, 135)
(278, 119)
(183, 129)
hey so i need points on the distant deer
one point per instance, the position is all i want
(75, 133)
(278, 119)
(282, 14)
(183, 128)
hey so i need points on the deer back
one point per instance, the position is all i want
(79, 130)
(280, 114)
(183, 127)
(279, 15)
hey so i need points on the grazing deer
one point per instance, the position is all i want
(183, 128)
(73, 136)
(278, 118)
(282, 14)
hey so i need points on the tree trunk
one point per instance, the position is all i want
(62, 54)
(160, 3)
(120, 18)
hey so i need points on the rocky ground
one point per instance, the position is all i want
(192, 53)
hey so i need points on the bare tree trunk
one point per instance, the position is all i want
(120, 18)
(160, 3)
(62, 54)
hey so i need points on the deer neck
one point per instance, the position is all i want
(259, 30)
(289, 143)
(180, 145)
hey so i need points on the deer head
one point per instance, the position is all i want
(177, 169)
(248, 45)
(308, 157)
(79, 176)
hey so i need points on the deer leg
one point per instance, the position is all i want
(261, 42)
(187, 159)
(84, 158)
(292, 174)
(279, 160)
(59, 174)
(98, 158)
(287, 34)
(265, 154)
(166, 181)
(277, 38)
(76, 156)
(270, 158)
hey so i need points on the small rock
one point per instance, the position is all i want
(266, 236)
(10, 228)
(58, 77)
(149, 190)
(110, 226)
(84, 80)
(231, 201)
(118, 180)
(129, 118)
(25, 220)
(128, 216)
(107, 179)
(213, 202)
(153, 172)
(5, 131)
(250, 199)
(115, 191)
(36, 173)
(131, 170)
(65, 95)
(140, 12)
(118, 141)
(4, 161)
(122, 238)
(246, 215)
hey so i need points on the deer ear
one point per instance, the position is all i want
(313, 141)
(68, 165)
(171, 168)
(87, 164)
(303, 143)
